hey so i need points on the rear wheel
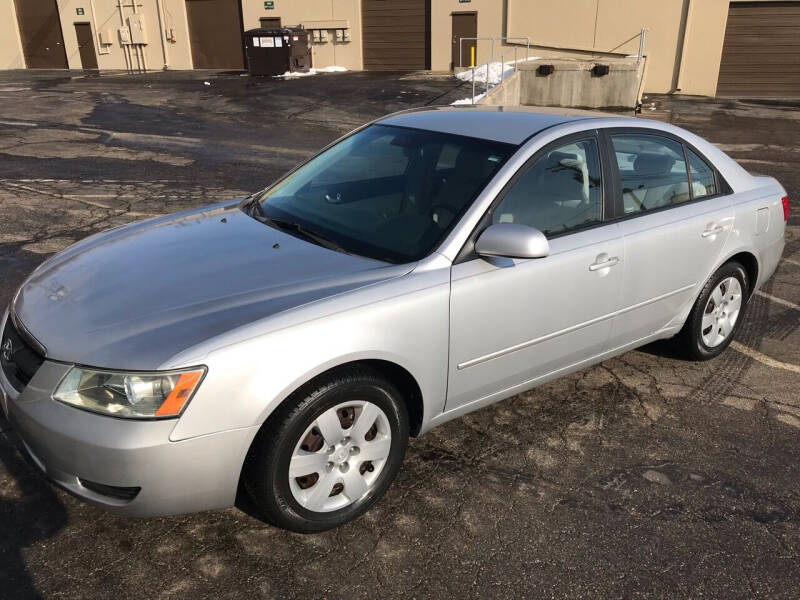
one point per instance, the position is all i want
(330, 452)
(716, 314)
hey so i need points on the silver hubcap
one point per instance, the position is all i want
(340, 456)
(721, 312)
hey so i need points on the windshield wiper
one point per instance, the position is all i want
(253, 206)
(312, 236)
(257, 213)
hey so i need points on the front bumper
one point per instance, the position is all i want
(75, 448)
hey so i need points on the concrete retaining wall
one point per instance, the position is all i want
(572, 84)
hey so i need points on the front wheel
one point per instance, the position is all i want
(716, 314)
(329, 453)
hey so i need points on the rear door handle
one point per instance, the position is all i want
(713, 231)
(604, 264)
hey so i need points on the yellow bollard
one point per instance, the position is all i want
(472, 56)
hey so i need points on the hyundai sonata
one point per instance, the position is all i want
(424, 266)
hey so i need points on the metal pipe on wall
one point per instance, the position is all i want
(163, 24)
(687, 25)
(101, 48)
(125, 53)
(141, 58)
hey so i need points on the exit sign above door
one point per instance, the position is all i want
(269, 5)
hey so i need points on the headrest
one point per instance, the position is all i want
(653, 164)
(554, 159)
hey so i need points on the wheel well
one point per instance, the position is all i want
(750, 264)
(397, 376)
(392, 372)
(406, 384)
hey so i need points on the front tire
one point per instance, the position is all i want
(717, 313)
(329, 452)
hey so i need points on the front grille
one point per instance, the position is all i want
(111, 491)
(19, 359)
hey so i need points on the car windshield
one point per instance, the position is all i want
(388, 193)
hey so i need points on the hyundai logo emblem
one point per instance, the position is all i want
(8, 349)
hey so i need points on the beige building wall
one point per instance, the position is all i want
(702, 48)
(326, 15)
(11, 56)
(104, 17)
(600, 27)
(683, 44)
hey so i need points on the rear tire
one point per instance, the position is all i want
(717, 313)
(329, 452)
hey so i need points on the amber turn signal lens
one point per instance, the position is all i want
(177, 398)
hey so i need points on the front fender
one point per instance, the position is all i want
(404, 321)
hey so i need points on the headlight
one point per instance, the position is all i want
(131, 395)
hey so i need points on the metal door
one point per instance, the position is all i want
(40, 30)
(513, 321)
(83, 32)
(465, 25)
(671, 247)
(761, 53)
(215, 34)
(396, 35)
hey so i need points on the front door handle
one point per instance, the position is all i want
(603, 263)
(713, 231)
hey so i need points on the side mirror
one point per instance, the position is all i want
(512, 241)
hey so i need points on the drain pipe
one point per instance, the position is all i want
(684, 39)
(162, 22)
(101, 48)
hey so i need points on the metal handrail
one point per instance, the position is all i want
(526, 39)
(641, 44)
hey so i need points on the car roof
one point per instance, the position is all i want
(512, 125)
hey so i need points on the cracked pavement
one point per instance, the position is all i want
(646, 476)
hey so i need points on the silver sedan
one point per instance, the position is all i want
(422, 267)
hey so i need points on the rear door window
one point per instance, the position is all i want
(703, 181)
(652, 172)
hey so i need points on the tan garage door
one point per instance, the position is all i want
(215, 33)
(40, 30)
(396, 34)
(761, 53)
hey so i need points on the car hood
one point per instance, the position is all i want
(133, 297)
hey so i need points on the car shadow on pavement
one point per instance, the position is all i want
(30, 512)
(664, 349)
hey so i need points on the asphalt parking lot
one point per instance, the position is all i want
(644, 477)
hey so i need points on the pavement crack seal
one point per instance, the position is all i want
(82, 199)
(763, 358)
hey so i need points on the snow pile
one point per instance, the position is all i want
(497, 70)
(469, 100)
(292, 74)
